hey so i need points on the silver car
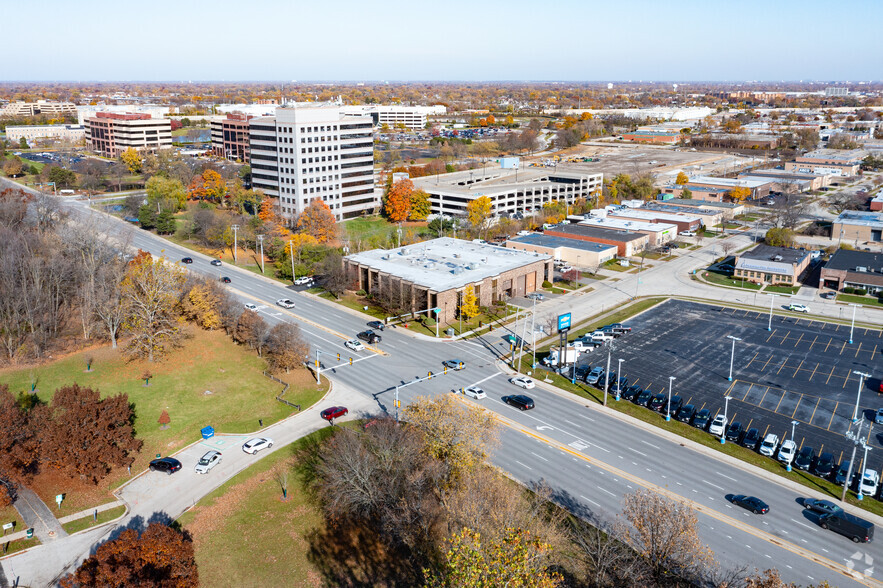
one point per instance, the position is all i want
(208, 461)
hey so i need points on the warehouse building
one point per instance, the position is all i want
(772, 265)
(682, 222)
(657, 233)
(708, 217)
(835, 162)
(571, 251)
(436, 273)
(858, 226)
(627, 243)
(853, 269)
(729, 210)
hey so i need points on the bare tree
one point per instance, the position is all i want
(606, 561)
(286, 347)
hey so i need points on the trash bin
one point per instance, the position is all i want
(208, 432)
(450, 332)
(29, 534)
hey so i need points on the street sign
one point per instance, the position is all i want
(7, 526)
(58, 499)
(436, 310)
(563, 322)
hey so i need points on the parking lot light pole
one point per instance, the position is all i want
(607, 374)
(732, 355)
(772, 301)
(862, 469)
(668, 406)
(793, 427)
(619, 378)
(855, 443)
(724, 430)
(852, 326)
(861, 382)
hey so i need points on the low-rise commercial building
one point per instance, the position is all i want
(436, 273)
(395, 116)
(789, 182)
(627, 243)
(571, 251)
(657, 233)
(682, 222)
(708, 217)
(772, 265)
(729, 210)
(876, 203)
(854, 269)
(654, 137)
(511, 191)
(836, 162)
(38, 108)
(230, 138)
(152, 110)
(111, 133)
(858, 226)
(31, 134)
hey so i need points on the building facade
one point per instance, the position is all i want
(854, 269)
(835, 162)
(772, 265)
(230, 138)
(858, 227)
(309, 152)
(40, 107)
(111, 133)
(573, 252)
(681, 221)
(627, 243)
(657, 233)
(31, 134)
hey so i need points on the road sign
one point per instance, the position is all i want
(7, 526)
(59, 498)
(563, 322)
(436, 310)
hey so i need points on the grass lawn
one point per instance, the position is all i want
(88, 522)
(19, 545)
(245, 535)
(782, 289)
(8, 514)
(863, 300)
(721, 280)
(240, 395)
(613, 265)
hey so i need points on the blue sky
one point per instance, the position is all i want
(478, 40)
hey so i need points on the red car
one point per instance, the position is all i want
(335, 412)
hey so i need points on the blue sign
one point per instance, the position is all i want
(564, 322)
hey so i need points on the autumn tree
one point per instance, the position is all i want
(286, 347)
(469, 303)
(318, 221)
(420, 206)
(682, 179)
(687, 194)
(251, 330)
(397, 205)
(200, 304)
(209, 185)
(13, 167)
(83, 434)
(159, 557)
(151, 290)
(739, 193)
(665, 533)
(19, 445)
(165, 193)
(779, 237)
(132, 159)
(479, 212)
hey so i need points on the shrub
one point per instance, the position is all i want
(547, 284)
(849, 290)
(361, 293)
(861, 292)
(429, 321)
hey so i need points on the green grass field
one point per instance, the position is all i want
(863, 300)
(364, 228)
(245, 535)
(721, 280)
(782, 289)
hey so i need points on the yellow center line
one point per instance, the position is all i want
(796, 406)
(833, 412)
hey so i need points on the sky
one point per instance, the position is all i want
(441, 40)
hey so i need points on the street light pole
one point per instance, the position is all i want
(793, 427)
(668, 407)
(726, 407)
(619, 378)
(235, 229)
(261, 241)
(533, 335)
(862, 469)
(291, 244)
(852, 326)
(855, 442)
(732, 355)
(861, 381)
(772, 301)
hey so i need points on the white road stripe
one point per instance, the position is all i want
(540, 456)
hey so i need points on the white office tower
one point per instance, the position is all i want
(310, 151)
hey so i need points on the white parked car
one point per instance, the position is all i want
(787, 451)
(798, 307)
(208, 461)
(251, 307)
(601, 336)
(768, 447)
(566, 269)
(522, 382)
(285, 303)
(355, 345)
(474, 392)
(687, 234)
(523, 233)
(718, 425)
(870, 482)
(303, 281)
(254, 445)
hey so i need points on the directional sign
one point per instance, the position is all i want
(563, 322)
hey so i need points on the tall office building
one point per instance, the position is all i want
(314, 151)
(111, 133)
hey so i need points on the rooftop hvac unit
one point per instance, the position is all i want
(861, 268)
(457, 270)
(405, 251)
(470, 266)
(777, 258)
(430, 265)
(384, 256)
(457, 255)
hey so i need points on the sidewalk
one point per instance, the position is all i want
(38, 516)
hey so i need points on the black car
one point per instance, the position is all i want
(581, 371)
(824, 466)
(676, 403)
(611, 331)
(804, 458)
(751, 438)
(168, 465)
(842, 472)
(659, 402)
(821, 506)
(377, 325)
(755, 505)
(643, 399)
(700, 421)
(734, 432)
(225, 279)
(686, 413)
(187, 260)
(623, 383)
(519, 401)
(631, 392)
(369, 337)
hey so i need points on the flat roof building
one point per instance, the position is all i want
(628, 243)
(395, 116)
(728, 209)
(790, 181)
(716, 189)
(31, 134)
(658, 233)
(38, 108)
(855, 269)
(836, 162)
(772, 265)
(708, 217)
(858, 226)
(111, 133)
(682, 222)
(571, 251)
(434, 274)
(230, 138)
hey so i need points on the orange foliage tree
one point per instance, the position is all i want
(398, 201)
(207, 186)
(317, 220)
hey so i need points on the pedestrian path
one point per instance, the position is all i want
(38, 516)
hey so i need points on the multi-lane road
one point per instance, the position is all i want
(589, 456)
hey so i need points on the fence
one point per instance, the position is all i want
(284, 390)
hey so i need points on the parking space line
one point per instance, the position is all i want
(799, 339)
(833, 412)
(813, 342)
(750, 385)
(747, 365)
(829, 376)
(749, 424)
(813, 372)
(771, 335)
(859, 348)
(780, 401)
(828, 345)
(784, 363)
(727, 393)
(873, 353)
(766, 364)
(765, 430)
(798, 369)
(785, 338)
(764, 396)
(796, 406)
(842, 348)
(814, 410)
(847, 379)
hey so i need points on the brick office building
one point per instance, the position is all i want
(436, 273)
(111, 133)
(230, 137)
(627, 243)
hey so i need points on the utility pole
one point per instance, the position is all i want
(291, 244)
(856, 440)
(261, 241)
(235, 229)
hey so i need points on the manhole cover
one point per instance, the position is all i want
(52, 533)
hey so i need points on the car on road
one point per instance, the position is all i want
(700, 421)
(285, 303)
(251, 307)
(752, 503)
(369, 337)
(454, 364)
(878, 418)
(787, 451)
(804, 458)
(734, 432)
(208, 461)
(303, 281)
(824, 465)
(631, 392)
(355, 345)
(474, 392)
(686, 413)
(593, 378)
(522, 382)
(187, 260)
(519, 401)
(821, 506)
(225, 279)
(842, 472)
(869, 482)
(216, 262)
(798, 307)
(256, 444)
(859, 530)
(718, 426)
(378, 325)
(335, 412)
(538, 296)
(644, 398)
(169, 465)
(751, 438)
(769, 444)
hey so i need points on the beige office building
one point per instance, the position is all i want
(111, 133)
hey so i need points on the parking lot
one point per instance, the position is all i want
(802, 370)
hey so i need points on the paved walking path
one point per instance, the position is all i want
(36, 514)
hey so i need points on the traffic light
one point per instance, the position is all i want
(338, 357)
(446, 370)
(317, 364)
(429, 375)
(351, 361)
